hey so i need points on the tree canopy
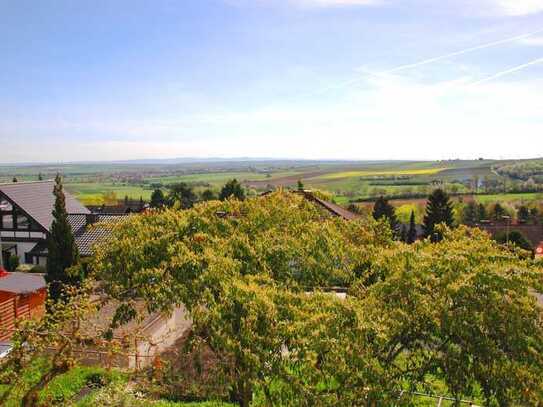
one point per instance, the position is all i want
(255, 276)
(232, 189)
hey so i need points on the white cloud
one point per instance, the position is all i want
(517, 7)
(532, 42)
(390, 118)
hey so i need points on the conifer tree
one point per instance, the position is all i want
(382, 209)
(482, 215)
(62, 250)
(470, 214)
(412, 231)
(438, 210)
(158, 200)
(300, 185)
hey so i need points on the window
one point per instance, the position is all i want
(22, 221)
(6, 214)
(7, 220)
(5, 206)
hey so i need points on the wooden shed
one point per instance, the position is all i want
(22, 295)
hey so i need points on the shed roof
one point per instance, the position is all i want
(37, 200)
(22, 283)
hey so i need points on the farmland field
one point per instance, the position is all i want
(347, 181)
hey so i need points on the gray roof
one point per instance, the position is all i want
(22, 283)
(87, 236)
(37, 200)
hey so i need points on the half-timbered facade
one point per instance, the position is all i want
(26, 217)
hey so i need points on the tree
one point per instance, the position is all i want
(523, 214)
(62, 250)
(232, 189)
(40, 177)
(300, 185)
(181, 194)
(126, 200)
(514, 237)
(461, 310)
(157, 199)
(412, 231)
(534, 215)
(438, 210)
(14, 179)
(482, 215)
(403, 234)
(208, 195)
(470, 214)
(383, 210)
(498, 212)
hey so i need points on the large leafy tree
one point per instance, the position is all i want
(232, 189)
(254, 275)
(383, 210)
(181, 195)
(438, 210)
(62, 250)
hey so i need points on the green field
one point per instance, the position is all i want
(97, 183)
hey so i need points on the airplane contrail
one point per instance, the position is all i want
(508, 71)
(435, 59)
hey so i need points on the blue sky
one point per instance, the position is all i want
(353, 79)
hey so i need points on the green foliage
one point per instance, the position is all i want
(13, 262)
(470, 213)
(438, 210)
(62, 250)
(255, 275)
(523, 214)
(514, 237)
(232, 189)
(158, 200)
(498, 212)
(412, 231)
(383, 210)
(208, 195)
(181, 195)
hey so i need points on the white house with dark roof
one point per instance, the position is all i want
(26, 215)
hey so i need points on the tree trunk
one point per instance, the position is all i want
(30, 399)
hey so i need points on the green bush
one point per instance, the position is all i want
(13, 263)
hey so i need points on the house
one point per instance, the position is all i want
(26, 217)
(22, 295)
(534, 233)
(120, 209)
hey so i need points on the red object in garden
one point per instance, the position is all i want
(3, 272)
